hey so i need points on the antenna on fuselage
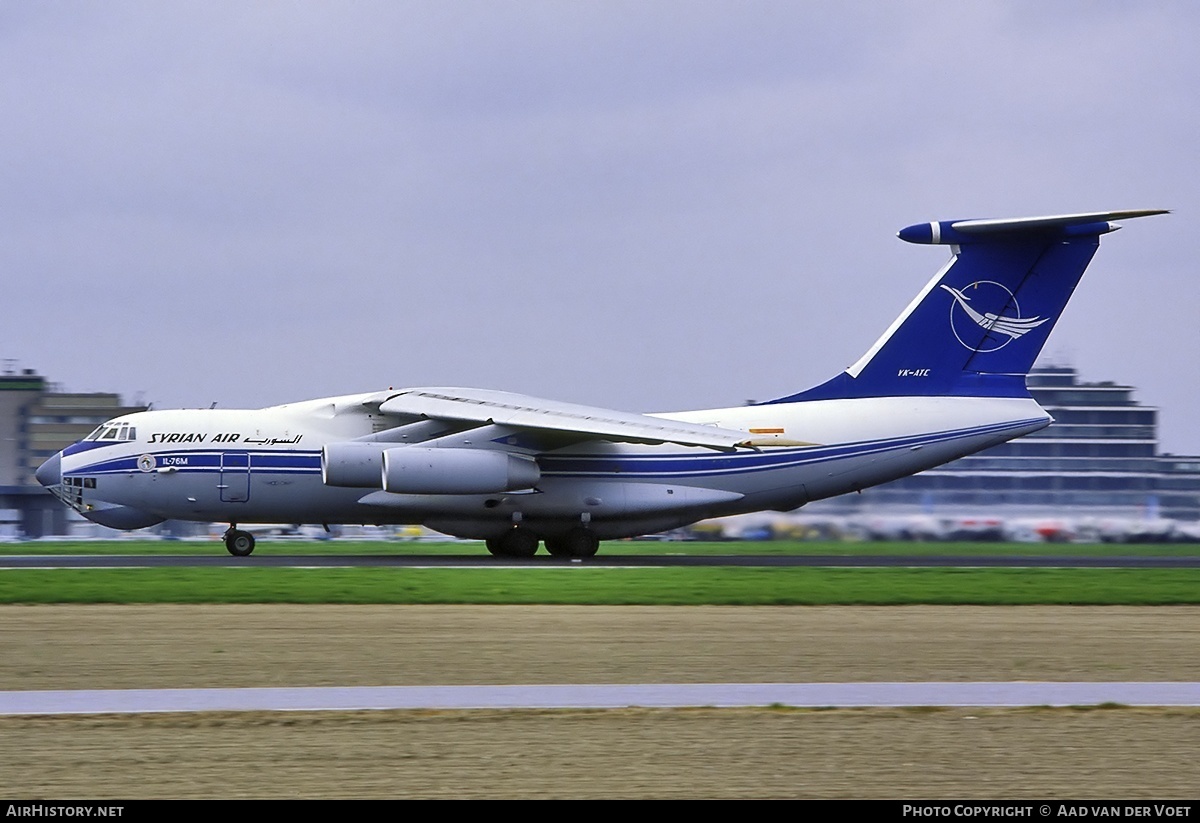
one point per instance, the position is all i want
(214, 405)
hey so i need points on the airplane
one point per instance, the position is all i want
(945, 380)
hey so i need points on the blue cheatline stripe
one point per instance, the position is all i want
(201, 462)
(676, 464)
(706, 463)
(89, 445)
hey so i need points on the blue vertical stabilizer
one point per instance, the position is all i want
(978, 326)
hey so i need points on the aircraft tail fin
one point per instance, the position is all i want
(979, 324)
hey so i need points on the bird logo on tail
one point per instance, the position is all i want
(1007, 328)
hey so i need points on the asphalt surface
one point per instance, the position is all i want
(627, 561)
(600, 696)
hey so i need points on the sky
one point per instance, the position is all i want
(649, 206)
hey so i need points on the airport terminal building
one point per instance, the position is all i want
(1099, 458)
(36, 421)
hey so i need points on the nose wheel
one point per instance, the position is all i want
(238, 543)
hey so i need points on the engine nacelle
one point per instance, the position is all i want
(356, 465)
(414, 470)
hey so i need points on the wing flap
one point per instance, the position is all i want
(525, 412)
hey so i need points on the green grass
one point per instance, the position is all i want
(284, 546)
(586, 584)
(596, 585)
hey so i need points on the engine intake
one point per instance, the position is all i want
(357, 465)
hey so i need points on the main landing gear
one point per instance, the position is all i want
(521, 542)
(516, 542)
(578, 542)
(237, 542)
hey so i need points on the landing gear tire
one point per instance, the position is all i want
(514, 543)
(239, 543)
(580, 542)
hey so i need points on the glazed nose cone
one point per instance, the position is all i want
(50, 473)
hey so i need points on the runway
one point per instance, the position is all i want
(601, 696)
(333, 561)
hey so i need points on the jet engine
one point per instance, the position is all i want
(416, 470)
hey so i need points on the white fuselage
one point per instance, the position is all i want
(265, 465)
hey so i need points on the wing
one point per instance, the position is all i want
(519, 411)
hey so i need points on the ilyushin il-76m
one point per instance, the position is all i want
(946, 379)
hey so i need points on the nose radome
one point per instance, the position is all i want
(50, 473)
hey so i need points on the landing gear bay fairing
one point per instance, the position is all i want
(945, 380)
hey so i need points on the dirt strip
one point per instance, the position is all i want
(986, 753)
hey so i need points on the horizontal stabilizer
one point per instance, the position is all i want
(958, 232)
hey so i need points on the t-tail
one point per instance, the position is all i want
(978, 326)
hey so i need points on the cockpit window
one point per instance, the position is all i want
(123, 433)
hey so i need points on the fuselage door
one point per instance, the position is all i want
(235, 477)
